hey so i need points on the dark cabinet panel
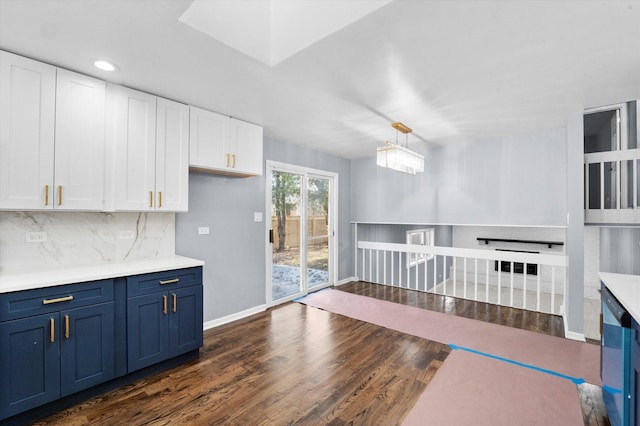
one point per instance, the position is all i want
(147, 324)
(186, 320)
(30, 363)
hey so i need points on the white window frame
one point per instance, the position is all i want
(423, 237)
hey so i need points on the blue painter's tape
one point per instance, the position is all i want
(611, 390)
(575, 380)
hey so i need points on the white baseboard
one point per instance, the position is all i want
(346, 280)
(571, 334)
(234, 317)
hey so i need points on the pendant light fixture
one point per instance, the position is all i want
(400, 158)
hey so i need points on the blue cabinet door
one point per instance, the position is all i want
(147, 330)
(30, 360)
(86, 347)
(185, 320)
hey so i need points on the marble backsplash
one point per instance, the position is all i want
(79, 239)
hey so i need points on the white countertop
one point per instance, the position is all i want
(626, 288)
(59, 276)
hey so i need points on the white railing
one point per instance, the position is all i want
(467, 273)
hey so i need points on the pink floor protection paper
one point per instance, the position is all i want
(571, 358)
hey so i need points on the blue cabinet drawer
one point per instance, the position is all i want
(22, 304)
(138, 285)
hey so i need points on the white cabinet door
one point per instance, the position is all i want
(134, 144)
(246, 147)
(172, 156)
(27, 114)
(79, 142)
(208, 140)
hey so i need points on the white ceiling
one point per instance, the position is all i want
(451, 70)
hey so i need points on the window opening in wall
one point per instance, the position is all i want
(612, 161)
(422, 237)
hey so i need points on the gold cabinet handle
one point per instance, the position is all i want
(175, 302)
(46, 195)
(171, 281)
(234, 160)
(160, 199)
(58, 300)
(164, 305)
(59, 195)
(228, 159)
(150, 198)
(66, 326)
(52, 327)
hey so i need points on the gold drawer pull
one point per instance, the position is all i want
(46, 195)
(150, 199)
(59, 195)
(164, 305)
(52, 326)
(228, 155)
(175, 302)
(160, 199)
(234, 160)
(66, 326)
(171, 281)
(58, 300)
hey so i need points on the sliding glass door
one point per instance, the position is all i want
(300, 238)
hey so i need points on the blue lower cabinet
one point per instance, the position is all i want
(86, 347)
(186, 320)
(30, 362)
(163, 325)
(55, 341)
(147, 326)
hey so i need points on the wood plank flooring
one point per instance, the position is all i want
(298, 365)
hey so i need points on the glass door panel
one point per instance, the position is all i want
(318, 231)
(286, 203)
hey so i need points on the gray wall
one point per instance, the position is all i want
(620, 250)
(518, 180)
(234, 251)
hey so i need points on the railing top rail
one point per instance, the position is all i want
(533, 258)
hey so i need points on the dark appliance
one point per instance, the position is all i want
(615, 359)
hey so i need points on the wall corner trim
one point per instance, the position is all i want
(571, 334)
(234, 317)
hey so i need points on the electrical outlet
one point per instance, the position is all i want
(257, 216)
(126, 235)
(36, 237)
(203, 230)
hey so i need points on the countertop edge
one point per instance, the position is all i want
(625, 288)
(54, 277)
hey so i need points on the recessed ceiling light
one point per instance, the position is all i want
(105, 66)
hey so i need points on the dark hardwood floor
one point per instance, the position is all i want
(298, 365)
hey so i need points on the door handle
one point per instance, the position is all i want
(164, 305)
(271, 236)
(66, 326)
(175, 302)
(52, 330)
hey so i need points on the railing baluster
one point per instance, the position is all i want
(499, 282)
(475, 279)
(393, 270)
(417, 270)
(370, 266)
(486, 286)
(444, 275)
(464, 268)
(384, 266)
(538, 289)
(454, 276)
(363, 263)
(426, 271)
(511, 286)
(524, 286)
(400, 269)
(435, 274)
(553, 289)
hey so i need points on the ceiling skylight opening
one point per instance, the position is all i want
(105, 65)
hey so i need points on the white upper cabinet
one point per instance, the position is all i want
(79, 142)
(149, 139)
(172, 156)
(245, 145)
(27, 123)
(209, 133)
(219, 144)
(51, 137)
